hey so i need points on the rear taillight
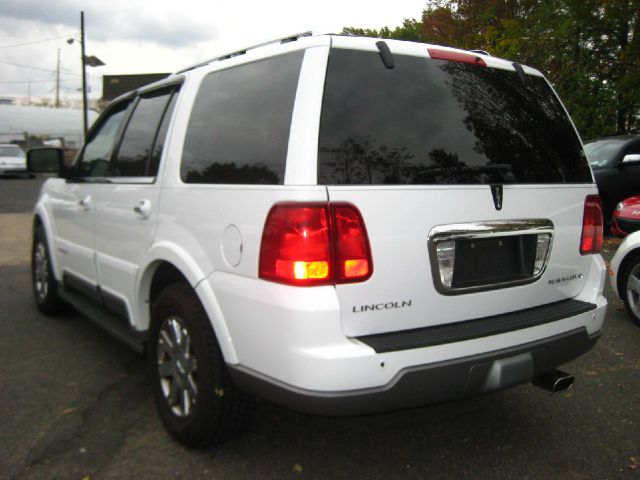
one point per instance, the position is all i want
(315, 244)
(591, 241)
(351, 245)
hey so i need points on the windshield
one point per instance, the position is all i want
(11, 151)
(431, 121)
(599, 153)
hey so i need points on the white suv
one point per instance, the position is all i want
(340, 225)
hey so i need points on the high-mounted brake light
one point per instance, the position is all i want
(592, 234)
(315, 244)
(461, 57)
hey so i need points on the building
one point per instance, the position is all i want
(115, 85)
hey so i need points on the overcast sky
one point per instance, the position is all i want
(137, 36)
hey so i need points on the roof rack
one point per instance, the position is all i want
(287, 39)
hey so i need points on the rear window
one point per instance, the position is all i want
(239, 126)
(9, 151)
(602, 152)
(438, 122)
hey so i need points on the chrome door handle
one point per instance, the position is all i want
(143, 209)
(85, 203)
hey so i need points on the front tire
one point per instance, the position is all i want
(45, 286)
(630, 291)
(194, 394)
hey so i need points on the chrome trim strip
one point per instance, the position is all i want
(487, 229)
(131, 180)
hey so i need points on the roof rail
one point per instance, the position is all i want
(481, 52)
(287, 39)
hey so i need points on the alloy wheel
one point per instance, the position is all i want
(41, 271)
(177, 367)
(633, 290)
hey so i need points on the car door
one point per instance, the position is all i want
(127, 207)
(73, 203)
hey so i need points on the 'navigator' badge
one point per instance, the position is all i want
(496, 191)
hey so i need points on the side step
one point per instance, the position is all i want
(105, 320)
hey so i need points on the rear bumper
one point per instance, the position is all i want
(293, 337)
(427, 384)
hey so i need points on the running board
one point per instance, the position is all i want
(105, 320)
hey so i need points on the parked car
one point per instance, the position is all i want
(285, 222)
(626, 217)
(624, 274)
(615, 162)
(12, 160)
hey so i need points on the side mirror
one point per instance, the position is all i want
(631, 159)
(45, 160)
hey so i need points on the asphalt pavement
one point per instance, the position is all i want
(75, 404)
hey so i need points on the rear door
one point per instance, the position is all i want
(471, 181)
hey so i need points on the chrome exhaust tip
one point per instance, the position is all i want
(553, 381)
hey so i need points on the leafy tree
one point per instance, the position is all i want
(411, 29)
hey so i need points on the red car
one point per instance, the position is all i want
(626, 217)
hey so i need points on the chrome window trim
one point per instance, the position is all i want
(486, 229)
(131, 180)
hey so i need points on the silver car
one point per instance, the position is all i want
(12, 160)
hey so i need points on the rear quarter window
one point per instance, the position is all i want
(438, 122)
(238, 131)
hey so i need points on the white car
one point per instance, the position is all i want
(340, 225)
(12, 160)
(624, 274)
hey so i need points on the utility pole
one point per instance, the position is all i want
(58, 82)
(29, 102)
(84, 79)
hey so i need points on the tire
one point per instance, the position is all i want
(45, 286)
(194, 394)
(630, 288)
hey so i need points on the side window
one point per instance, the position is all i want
(97, 152)
(238, 131)
(137, 144)
(158, 147)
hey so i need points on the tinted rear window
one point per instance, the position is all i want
(239, 126)
(437, 122)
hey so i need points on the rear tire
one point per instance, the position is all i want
(45, 286)
(194, 394)
(630, 288)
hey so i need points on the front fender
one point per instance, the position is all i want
(41, 213)
(629, 244)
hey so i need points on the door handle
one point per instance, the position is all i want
(143, 209)
(85, 203)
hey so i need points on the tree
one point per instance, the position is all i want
(410, 30)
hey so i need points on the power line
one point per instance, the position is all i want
(38, 41)
(34, 81)
(27, 66)
(67, 71)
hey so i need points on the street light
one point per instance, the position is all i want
(91, 61)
